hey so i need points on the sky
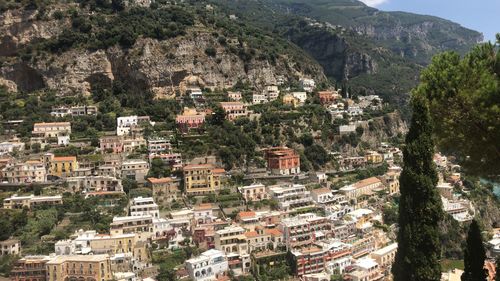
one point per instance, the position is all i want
(479, 15)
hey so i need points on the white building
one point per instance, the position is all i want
(195, 93)
(291, 196)
(254, 192)
(347, 129)
(144, 206)
(301, 96)
(307, 84)
(259, 98)
(210, 265)
(366, 269)
(326, 196)
(159, 145)
(10, 146)
(271, 92)
(63, 140)
(125, 123)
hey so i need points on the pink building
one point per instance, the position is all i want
(111, 143)
(190, 119)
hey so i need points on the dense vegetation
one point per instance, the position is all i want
(113, 24)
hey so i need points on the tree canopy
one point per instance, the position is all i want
(464, 99)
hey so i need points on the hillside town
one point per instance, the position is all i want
(156, 213)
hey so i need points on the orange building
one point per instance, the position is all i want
(282, 160)
(327, 97)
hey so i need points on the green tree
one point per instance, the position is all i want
(129, 184)
(158, 169)
(474, 255)
(464, 95)
(420, 210)
(218, 116)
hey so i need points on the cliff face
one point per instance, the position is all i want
(334, 53)
(160, 66)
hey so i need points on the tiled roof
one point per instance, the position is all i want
(246, 214)
(366, 182)
(160, 180)
(65, 158)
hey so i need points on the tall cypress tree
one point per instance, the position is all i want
(474, 255)
(420, 207)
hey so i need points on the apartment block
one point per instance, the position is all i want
(290, 197)
(202, 179)
(135, 169)
(30, 268)
(254, 192)
(131, 224)
(144, 206)
(111, 143)
(51, 130)
(210, 265)
(27, 172)
(90, 267)
(159, 145)
(165, 190)
(63, 166)
(126, 124)
(362, 187)
(31, 201)
(233, 242)
(304, 230)
(319, 256)
(94, 183)
(234, 109)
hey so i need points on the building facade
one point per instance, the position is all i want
(202, 179)
(282, 160)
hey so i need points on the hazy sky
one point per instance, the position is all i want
(480, 15)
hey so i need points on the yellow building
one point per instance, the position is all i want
(79, 267)
(202, 179)
(290, 100)
(373, 157)
(63, 166)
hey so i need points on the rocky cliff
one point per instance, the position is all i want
(160, 66)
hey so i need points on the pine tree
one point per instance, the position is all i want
(474, 255)
(420, 207)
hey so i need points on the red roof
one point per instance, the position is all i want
(160, 180)
(65, 158)
(246, 214)
(365, 182)
(251, 234)
(273, 232)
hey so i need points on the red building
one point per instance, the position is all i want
(282, 160)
